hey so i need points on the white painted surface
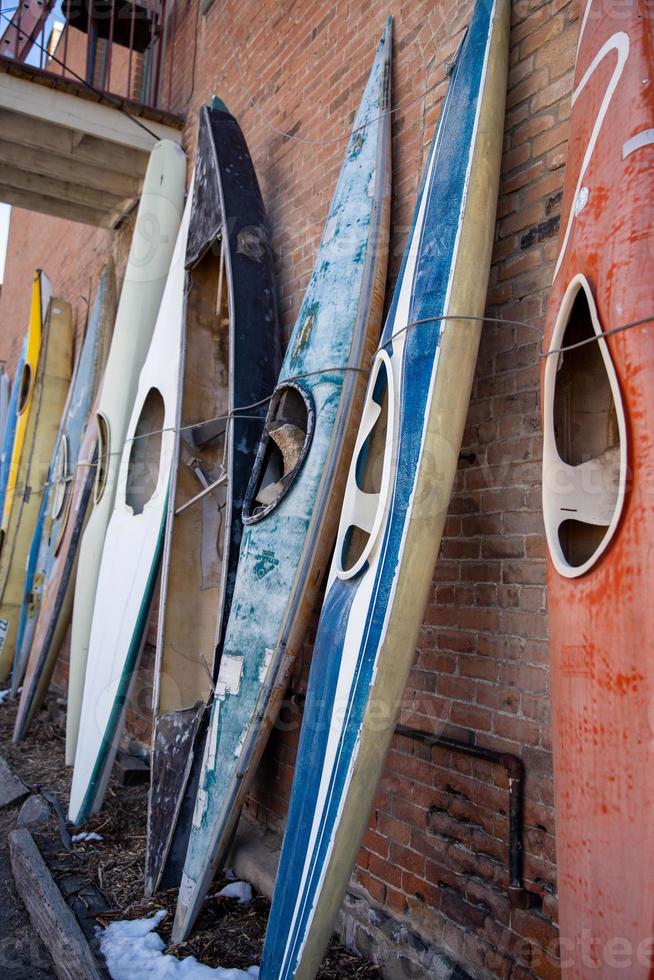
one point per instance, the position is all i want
(5, 216)
(152, 247)
(131, 539)
(83, 115)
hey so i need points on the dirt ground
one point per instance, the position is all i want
(104, 881)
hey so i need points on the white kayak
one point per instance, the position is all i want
(132, 547)
(157, 223)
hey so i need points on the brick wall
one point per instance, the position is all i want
(435, 853)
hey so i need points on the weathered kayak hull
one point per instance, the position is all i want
(291, 507)
(9, 430)
(41, 296)
(19, 662)
(132, 547)
(395, 504)
(598, 471)
(231, 357)
(58, 592)
(161, 205)
(5, 387)
(46, 402)
(34, 658)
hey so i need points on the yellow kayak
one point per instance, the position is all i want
(41, 293)
(43, 394)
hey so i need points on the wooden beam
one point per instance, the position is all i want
(51, 205)
(50, 164)
(92, 118)
(65, 190)
(54, 922)
(114, 218)
(51, 78)
(45, 136)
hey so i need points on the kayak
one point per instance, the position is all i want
(57, 598)
(160, 207)
(18, 665)
(32, 659)
(9, 430)
(598, 468)
(45, 392)
(41, 296)
(290, 508)
(132, 546)
(4, 401)
(230, 357)
(395, 503)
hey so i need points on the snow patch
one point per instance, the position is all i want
(4, 695)
(134, 949)
(237, 889)
(85, 836)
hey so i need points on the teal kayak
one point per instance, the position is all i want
(290, 510)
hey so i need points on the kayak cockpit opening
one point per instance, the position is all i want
(366, 493)
(585, 437)
(25, 388)
(59, 477)
(283, 449)
(145, 455)
(102, 465)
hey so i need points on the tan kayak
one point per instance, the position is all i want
(47, 397)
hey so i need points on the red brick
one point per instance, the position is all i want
(393, 828)
(386, 871)
(550, 29)
(552, 137)
(376, 842)
(408, 859)
(482, 661)
(551, 93)
(375, 888)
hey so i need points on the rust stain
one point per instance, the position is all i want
(589, 661)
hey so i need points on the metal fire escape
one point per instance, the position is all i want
(81, 103)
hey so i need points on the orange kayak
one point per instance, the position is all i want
(598, 502)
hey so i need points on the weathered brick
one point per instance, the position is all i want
(482, 658)
(550, 29)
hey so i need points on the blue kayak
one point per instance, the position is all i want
(291, 506)
(55, 506)
(9, 430)
(395, 504)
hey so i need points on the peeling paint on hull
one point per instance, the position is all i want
(39, 423)
(46, 540)
(231, 358)
(287, 540)
(9, 430)
(599, 584)
(396, 501)
(57, 598)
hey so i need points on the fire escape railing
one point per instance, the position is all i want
(118, 48)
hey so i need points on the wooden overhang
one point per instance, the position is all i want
(68, 151)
